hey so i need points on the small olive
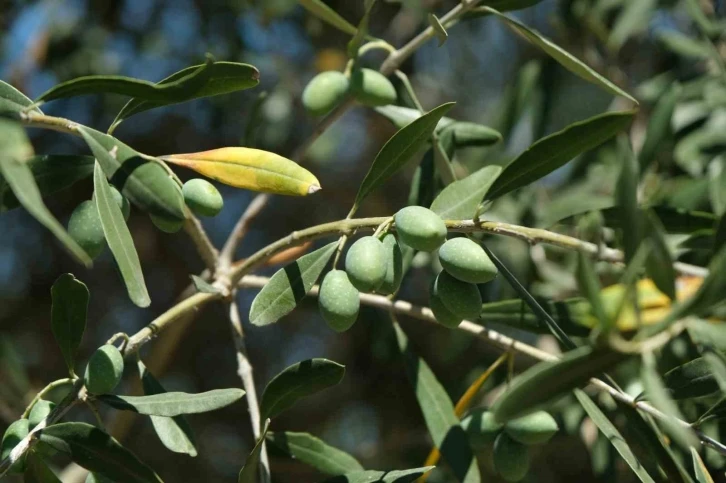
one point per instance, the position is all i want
(365, 263)
(202, 197)
(371, 88)
(324, 92)
(394, 266)
(534, 428)
(85, 228)
(420, 228)
(467, 261)
(104, 370)
(167, 225)
(339, 301)
(511, 459)
(461, 298)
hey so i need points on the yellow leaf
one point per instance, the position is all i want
(252, 169)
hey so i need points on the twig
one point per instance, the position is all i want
(46, 390)
(240, 230)
(201, 240)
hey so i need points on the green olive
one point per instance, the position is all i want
(371, 88)
(85, 228)
(511, 459)
(104, 370)
(41, 409)
(465, 134)
(202, 197)
(338, 300)
(167, 225)
(394, 266)
(467, 261)
(15, 433)
(365, 263)
(443, 315)
(481, 427)
(420, 228)
(534, 428)
(324, 92)
(461, 298)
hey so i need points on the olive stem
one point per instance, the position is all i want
(46, 390)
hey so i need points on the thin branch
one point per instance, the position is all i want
(240, 230)
(201, 240)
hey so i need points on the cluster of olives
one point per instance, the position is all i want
(327, 89)
(509, 443)
(103, 373)
(85, 227)
(376, 265)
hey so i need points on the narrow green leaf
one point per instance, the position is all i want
(564, 58)
(52, 173)
(172, 404)
(708, 334)
(249, 472)
(328, 15)
(590, 287)
(719, 241)
(174, 433)
(12, 100)
(96, 451)
(683, 45)
(400, 148)
(139, 178)
(553, 151)
(717, 365)
(36, 471)
(68, 315)
(609, 430)
(439, 29)
(438, 412)
(314, 452)
(626, 196)
(659, 265)
(297, 381)
(289, 285)
(659, 126)
(633, 19)
(14, 149)
(401, 116)
(361, 33)
(183, 88)
(699, 468)
(221, 78)
(674, 220)
(373, 476)
(507, 5)
(543, 384)
(203, 286)
(119, 240)
(460, 199)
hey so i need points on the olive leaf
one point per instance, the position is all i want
(328, 15)
(460, 199)
(289, 285)
(373, 476)
(119, 240)
(68, 315)
(297, 381)
(251, 468)
(37, 471)
(172, 404)
(699, 468)
(590, 287)
(439, 29)
(361, 33)
(400, 116)
(659, 126)
(626, 195)
(314, 452)
(12, 100)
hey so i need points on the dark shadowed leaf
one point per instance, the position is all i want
(699, 468)
(361, 33)
(249, 472)
(297, 381)
(708, 334)
(659, 265)
(68, 315)
(36, 471)
(460, 199)
(659, 126)
(12, 100)
(119, 240)
(401, 116)
(399, 149)
(314, 452)
(203, 286)
(553, 151)
(590, 287)
(674, 220)
(174, 433)
(14, 150)
(507, 5)
(373, 476)
(289, 285)
(715, 361)
(626, 196)
(438, 411)
(96, 451)
(632, 19)
(172, 404)
(328, 15)
(541, 385)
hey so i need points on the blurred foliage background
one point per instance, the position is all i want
(644, 46)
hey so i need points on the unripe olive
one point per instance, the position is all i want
(466, 260)
(202, 197)
(104, 370)
(167, 225)
(534, 428)
(394, 266)
(420, 228)
(41, 409)
(511, 459)
(481, 427)
(443, 315)
(85, 228)
(324, 92)
(371, 88)
(365, 263)
(339, 301)
(461, 298)
(13, 435)
(467, 134)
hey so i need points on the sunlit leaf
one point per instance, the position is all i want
(460, 199)
(314, 452)
(12, 100)
(172, 404)
(439, 29)
(699, 468)
(68, 315)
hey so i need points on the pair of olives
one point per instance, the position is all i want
(201, 197)
(511, 440)
(327, 89)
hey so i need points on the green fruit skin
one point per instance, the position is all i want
(442, 314)
(122, 202)
(535, 428)
(461, 298)
(394, 266)
(13, 435)
(202, 197)
(40, 410)
(167, 225)
(511, 459)
(371, 88)
(365, 263)
(339, 301)
(467, 261)
(85, 228)
(420, 228)
(104, 370)
(467, 134)
(324, 92)
(481, 427)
